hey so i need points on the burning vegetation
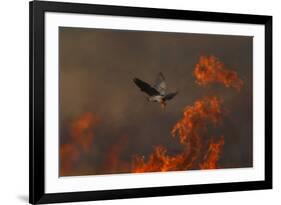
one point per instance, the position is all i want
(199, 148)
(80, 144)
(190, 130)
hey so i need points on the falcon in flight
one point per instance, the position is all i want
(157, 92)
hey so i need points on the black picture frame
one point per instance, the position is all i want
(37, 194)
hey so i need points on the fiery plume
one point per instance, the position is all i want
(159, 160)
(190, 130)
(196, 117)
(82, 136)
(212, 156)
(210, 69)
(82, 131)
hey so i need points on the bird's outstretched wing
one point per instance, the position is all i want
(170, 96)
(160, 84)
(145, 87)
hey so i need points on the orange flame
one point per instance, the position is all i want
(158, 161)
(82, 131)
(190, 130)
(69, 154)
(210, 69)
(196, 117)
(212, 156)
(81, 141)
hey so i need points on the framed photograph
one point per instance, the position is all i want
(140, 102)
